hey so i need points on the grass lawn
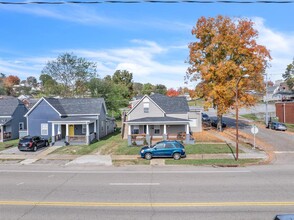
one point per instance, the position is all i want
(210, 149)
(290, 127)
(221, 162)
(250, 116)
(8, 144)
(106, 145)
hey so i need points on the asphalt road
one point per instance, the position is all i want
(144, 192)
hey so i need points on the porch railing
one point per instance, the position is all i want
(77, 138)
(22, 133)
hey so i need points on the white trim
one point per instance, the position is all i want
(22, 126)
(164, 129)
(158, 122)
(72, 122)
(66, 130)
(53, 130)
(147, 130)
(5, 116)
(145, 96)
(27, 125)
(94, 115)
(41, 99)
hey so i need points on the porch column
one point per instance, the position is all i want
(95, 129)
(87, 134)
(129, 135)
(148, 138)
(59, 131)
(187, 134)
(66, 133)
(1, 133)
(53, 134)
(164, 132)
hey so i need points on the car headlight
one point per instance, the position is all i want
(142, 151)
(183, 150)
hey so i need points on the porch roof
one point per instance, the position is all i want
(158, 120)
(4, 121)
(73, 120)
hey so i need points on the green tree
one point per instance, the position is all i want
(114, 94)
(289, 75)
(2, 89)
(138, 87)
(49, 86)
(71, 72)
(31, 81)
(125, 78)
(148, 88)
(161, 89)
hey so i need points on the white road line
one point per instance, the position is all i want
(284, 152)
(134, 184)
(126, 172)
(20, 183)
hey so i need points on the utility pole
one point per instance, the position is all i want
(266, 101)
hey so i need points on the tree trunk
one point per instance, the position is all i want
(219, 123)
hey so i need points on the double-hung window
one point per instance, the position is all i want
(146, 107)
(44, 129)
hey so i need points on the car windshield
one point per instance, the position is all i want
(25, 139)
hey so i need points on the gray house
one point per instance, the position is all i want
(159, 117)
(12, 119)
(71, 120)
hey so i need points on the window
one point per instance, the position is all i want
(169, 145)
(136, 130)
(146, 107)
(21, 126)
(84, 129)
(160, 145)
(156, 129)
(44, 129)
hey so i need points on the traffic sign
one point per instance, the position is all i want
(254, 129)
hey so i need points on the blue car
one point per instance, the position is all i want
(164, 149)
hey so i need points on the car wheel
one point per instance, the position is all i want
(148, 156)
(35, 148)
(46, 144)
(177, 156)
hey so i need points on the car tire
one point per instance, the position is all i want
(35, 148)
(148, 156)
(176, 156)
(46, 144)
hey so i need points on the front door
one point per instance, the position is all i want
(71, 130)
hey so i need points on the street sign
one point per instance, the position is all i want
(254, 129)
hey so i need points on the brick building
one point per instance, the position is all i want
(285, 112)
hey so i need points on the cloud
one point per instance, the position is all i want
(143, 58)
(280, 45)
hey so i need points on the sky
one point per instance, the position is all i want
(150, 40)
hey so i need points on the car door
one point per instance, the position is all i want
(169, 149)
(38, 142)
(159, 150)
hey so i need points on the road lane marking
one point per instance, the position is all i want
(142, 204)
(20, 183)
(284, 152)
(128, 172)
(134, 184)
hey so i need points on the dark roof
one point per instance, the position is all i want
(8, 106)
(159, 119)
(3, 121)
(171, 104)
(68, 106)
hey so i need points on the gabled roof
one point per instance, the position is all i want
(8, 106)
(171, 104)
(74, 106)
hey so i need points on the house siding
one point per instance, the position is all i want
(285, 112)
(41, 114)
(102, 123)
(181, 116)
(18, 116)
(138, 112)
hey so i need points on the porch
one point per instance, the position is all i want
(5, 133)
(79, 132)
(142, 132)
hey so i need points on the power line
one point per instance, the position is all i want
(148, 1)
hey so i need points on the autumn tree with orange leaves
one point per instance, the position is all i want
(172, 92)
(226, 50)
(9, 82)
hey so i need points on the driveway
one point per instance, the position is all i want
(15, 151)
